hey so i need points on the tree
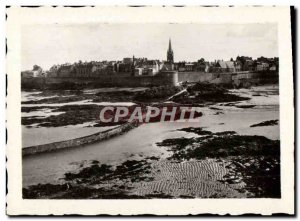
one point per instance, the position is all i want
(36, 67)
(201, 61)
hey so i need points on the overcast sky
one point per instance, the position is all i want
(46, 45)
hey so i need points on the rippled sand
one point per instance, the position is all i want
(200, 179)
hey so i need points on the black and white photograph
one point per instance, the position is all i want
(152, 110)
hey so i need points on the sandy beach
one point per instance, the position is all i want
(169, 162)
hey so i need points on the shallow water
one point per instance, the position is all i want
(43, 135)
(33, 135)
(83, 102)
(114, 89)
(42, 113)
(141, 141)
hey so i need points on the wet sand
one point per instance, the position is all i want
(167, 178)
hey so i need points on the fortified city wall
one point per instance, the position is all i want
(163, 78)
(115, 80)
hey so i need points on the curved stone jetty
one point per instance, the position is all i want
(79, 141)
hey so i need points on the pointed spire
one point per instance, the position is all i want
(170, 46)
(170, 55)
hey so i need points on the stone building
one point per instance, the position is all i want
(230, 66)
(238, 66)
(65, 70)
(190, 66)
(83, 69)
(146, 67)
(138, 72)
(262, 66)
(53, 71)
(221, 66)
(127, 60)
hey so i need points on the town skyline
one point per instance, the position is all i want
(190, 42)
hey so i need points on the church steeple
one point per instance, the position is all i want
(170, 54)
(170, 46)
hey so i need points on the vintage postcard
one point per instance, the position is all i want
(150, 110)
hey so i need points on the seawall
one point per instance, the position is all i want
(163, 78)
(243, 78)
(79, 141)
(113, 80)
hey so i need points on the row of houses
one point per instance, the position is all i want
(82, 69)
(221, 66)
(217, 66)
(144, 67)
(131, 66)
